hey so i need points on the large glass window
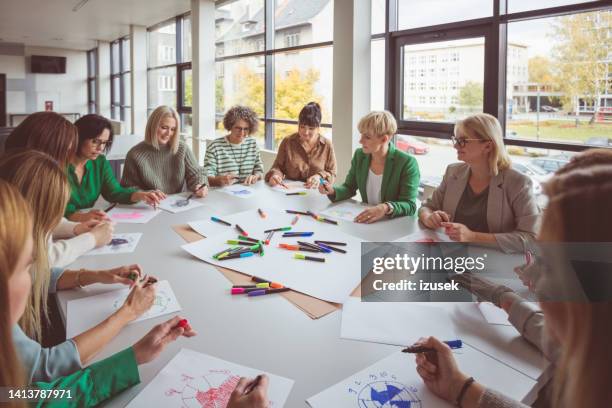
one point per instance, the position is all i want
(120, 82)
(92, 61)
(275, 73)
(422, 13)
(515, 6)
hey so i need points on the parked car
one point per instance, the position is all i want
(537, 175)
(411, 145)
(550, 164)
(600, 141)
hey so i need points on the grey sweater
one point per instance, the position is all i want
(148, 168)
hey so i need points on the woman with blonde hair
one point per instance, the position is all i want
(483, 199)
(575, 294)
(89, 386)
(43, 184)
(163, 161)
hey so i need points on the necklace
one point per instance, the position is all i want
(242, 158)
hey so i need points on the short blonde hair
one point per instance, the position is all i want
(378, 123)
(155, 119)
(486, 127)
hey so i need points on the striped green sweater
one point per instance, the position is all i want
(149, 169)
(223, 157)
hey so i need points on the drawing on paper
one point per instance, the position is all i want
(127, 216)
(384, 391)
(126, 240)
(211, 390)
(241, 192)
(160, 304)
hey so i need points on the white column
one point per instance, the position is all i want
(103, 83)
(351, 87)
(138, 65)
(203, 69)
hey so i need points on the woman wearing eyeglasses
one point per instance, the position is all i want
(483, 199)
(90, 174)
(163, 161)
(235, 157)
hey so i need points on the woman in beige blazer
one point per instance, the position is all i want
(483, 199)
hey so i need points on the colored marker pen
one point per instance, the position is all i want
(219, 220)
(308, 258)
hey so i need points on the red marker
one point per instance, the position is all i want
(183, 323)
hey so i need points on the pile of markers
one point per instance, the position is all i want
(318, 246)
(258, 288)
(245, 248)
(313, 215)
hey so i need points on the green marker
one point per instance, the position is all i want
(133, 276)
(308, 258)
(265, 285)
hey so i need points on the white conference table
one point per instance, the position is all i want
(266, 332)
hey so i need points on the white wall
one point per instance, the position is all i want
(27, 92)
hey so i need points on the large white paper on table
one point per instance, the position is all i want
(238, 190)
(345, 210)
(493, 314)
(133, 214)
(85, 313)
(332, 280)
(293, 186)
(175, 203)
(209, 228)
(362, 323)
(116, 247)
(193, 379)
(426, 235)
(504, 343)
(394, 382)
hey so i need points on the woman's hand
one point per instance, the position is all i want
(439, 370)
(484, 289)
(458, 232)
(275, 180)
(251, 179)
(227, 179)
(435, 219)
(91, 215)
(150, 197)
(103, 233)
(83, 227)
(326, 188)
(127, 274)
(313, 181)
(247, 396)
(200, 191)
(139, 300)
(372, 214)
(154, 342)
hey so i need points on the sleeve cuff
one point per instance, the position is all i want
(56, 274)
(520, 312)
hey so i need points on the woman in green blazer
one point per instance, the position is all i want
(385, 177)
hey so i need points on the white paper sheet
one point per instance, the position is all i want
(332, 280)
(394, 382)
(133, 214)
(126, 248)
(426, 235)
(209, 228)
(362, 323)
(238, 190)
(493, 314)
(85, 313)
(345, 210)
(170, 203)
(501, 342)
(193, 379)
(292, 187)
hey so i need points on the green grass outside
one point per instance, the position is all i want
(565, 131)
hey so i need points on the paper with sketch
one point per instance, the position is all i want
(394, 382)
(493, 314)
(120, 244)
(193, 379)
(133, 214)
(238, 190)
(85, 313)
(332, 280)
(345, 210)
(503, 342)
(292, 187)
(177, 203)
(360, 321)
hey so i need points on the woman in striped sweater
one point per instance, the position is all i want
(163, 161)
(235, 157)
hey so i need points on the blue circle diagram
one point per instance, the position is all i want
(388, 394)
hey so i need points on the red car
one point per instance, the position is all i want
(411, 145)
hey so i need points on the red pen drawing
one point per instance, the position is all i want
(211, 390)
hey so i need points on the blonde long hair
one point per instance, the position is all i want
(15, 227)
(579, 211)
(153, 122)
(45, 186)
(486, 127)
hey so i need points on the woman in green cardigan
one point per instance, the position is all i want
(385, 177)
(90, 174)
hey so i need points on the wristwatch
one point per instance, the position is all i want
(389, 209)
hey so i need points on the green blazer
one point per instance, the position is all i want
(400, 181)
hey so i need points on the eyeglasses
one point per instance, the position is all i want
(100, 143)
(242, 129)
(462, 141)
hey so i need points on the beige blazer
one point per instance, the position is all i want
(512, 212)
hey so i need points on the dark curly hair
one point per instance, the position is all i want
(90, 126)
(238, 112)
(310, 115)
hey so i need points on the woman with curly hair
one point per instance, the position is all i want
(235, 157)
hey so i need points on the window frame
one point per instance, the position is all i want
(92, 62)
(123, 105)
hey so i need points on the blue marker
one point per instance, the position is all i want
(215, 219)
(235, 256)
(298, 234)
(322, 180)
(453, 344)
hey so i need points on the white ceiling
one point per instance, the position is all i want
(52, 23)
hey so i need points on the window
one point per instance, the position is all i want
(275, 82)
(421, 13)
(92, 62)
(515, 6)
(120, 82)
